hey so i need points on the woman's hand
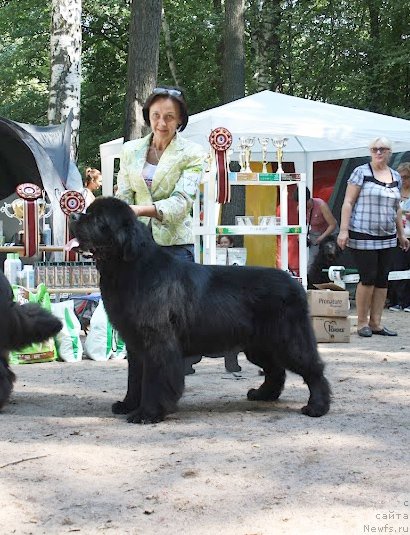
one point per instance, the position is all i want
(404, 242)
(343, 239)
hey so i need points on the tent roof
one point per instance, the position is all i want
(37, 154)
(325, 131)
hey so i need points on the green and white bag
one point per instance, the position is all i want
(68, 341)
(37, 352)
(102, 341)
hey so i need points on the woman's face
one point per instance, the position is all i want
(380, 154)
(96, 183)
(224, 241)
(405, 176)
(164, 117)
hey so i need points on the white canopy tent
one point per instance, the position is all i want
(316, 131)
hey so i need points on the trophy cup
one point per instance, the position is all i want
(242, 154)
(279, 143)
(245, 156)
(29, 208)
(15, 209)
(264, 144)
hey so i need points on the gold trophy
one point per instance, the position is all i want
(17, 209)
(246, 143)
(279, 143)
(242, 154)
(264, 141)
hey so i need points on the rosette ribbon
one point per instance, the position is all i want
(220, 140)
(31, 237)
(71, 202)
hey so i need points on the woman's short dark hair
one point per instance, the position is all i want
(296, 194)
(174, 93)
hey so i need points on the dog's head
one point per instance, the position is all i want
(329, 249)
(109, 229)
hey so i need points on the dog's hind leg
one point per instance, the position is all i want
(320, 393)
(133, 397)
(273, 384)
(301, 356)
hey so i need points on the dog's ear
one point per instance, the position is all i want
(133, 240)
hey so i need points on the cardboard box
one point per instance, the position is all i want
(331, 329)
(328, 303)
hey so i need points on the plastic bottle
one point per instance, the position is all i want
(28, 277)
(12, 265)
(46, 234)
(2, 240)
(18, 262)
(20, 278)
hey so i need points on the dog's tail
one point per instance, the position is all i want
(31, 323)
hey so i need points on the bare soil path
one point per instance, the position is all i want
(222, 464)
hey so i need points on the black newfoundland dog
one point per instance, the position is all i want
(166, 309)
(20, 325)
(329, 254)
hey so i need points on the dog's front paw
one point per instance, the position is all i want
(315, 411)
(142, 416)
(263, 394)
(119, 407)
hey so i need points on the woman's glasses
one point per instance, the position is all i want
(377, 150)
(165, 91)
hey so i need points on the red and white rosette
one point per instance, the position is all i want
(30, 193)
(220, 140)
(71, 202)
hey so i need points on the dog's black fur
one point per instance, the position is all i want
(329, 254)
(20, 325)
(166, 309)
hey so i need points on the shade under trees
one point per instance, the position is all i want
(351, 52)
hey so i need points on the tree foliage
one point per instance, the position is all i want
(348, 52)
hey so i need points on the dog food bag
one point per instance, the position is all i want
(103, 342)
(38, 352)
(68, 341)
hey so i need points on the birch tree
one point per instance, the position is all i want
(142, 66)
(65, 83)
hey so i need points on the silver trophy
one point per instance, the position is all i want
(246, 143)
(264, 141)
(279, 143)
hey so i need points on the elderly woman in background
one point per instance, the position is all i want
(371, 223)
(160, 174)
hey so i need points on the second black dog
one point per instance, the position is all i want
(20, 325)
(329, 254)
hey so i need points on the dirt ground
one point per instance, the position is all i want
(222, 464)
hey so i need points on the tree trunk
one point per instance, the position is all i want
(65, 83)
(143, 56)
(234, 53)
(168, 49)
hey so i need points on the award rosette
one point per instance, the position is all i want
(71, 202)
(220, 140)
(30, 193)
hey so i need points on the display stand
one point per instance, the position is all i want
(52, 290)
(209, 229)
